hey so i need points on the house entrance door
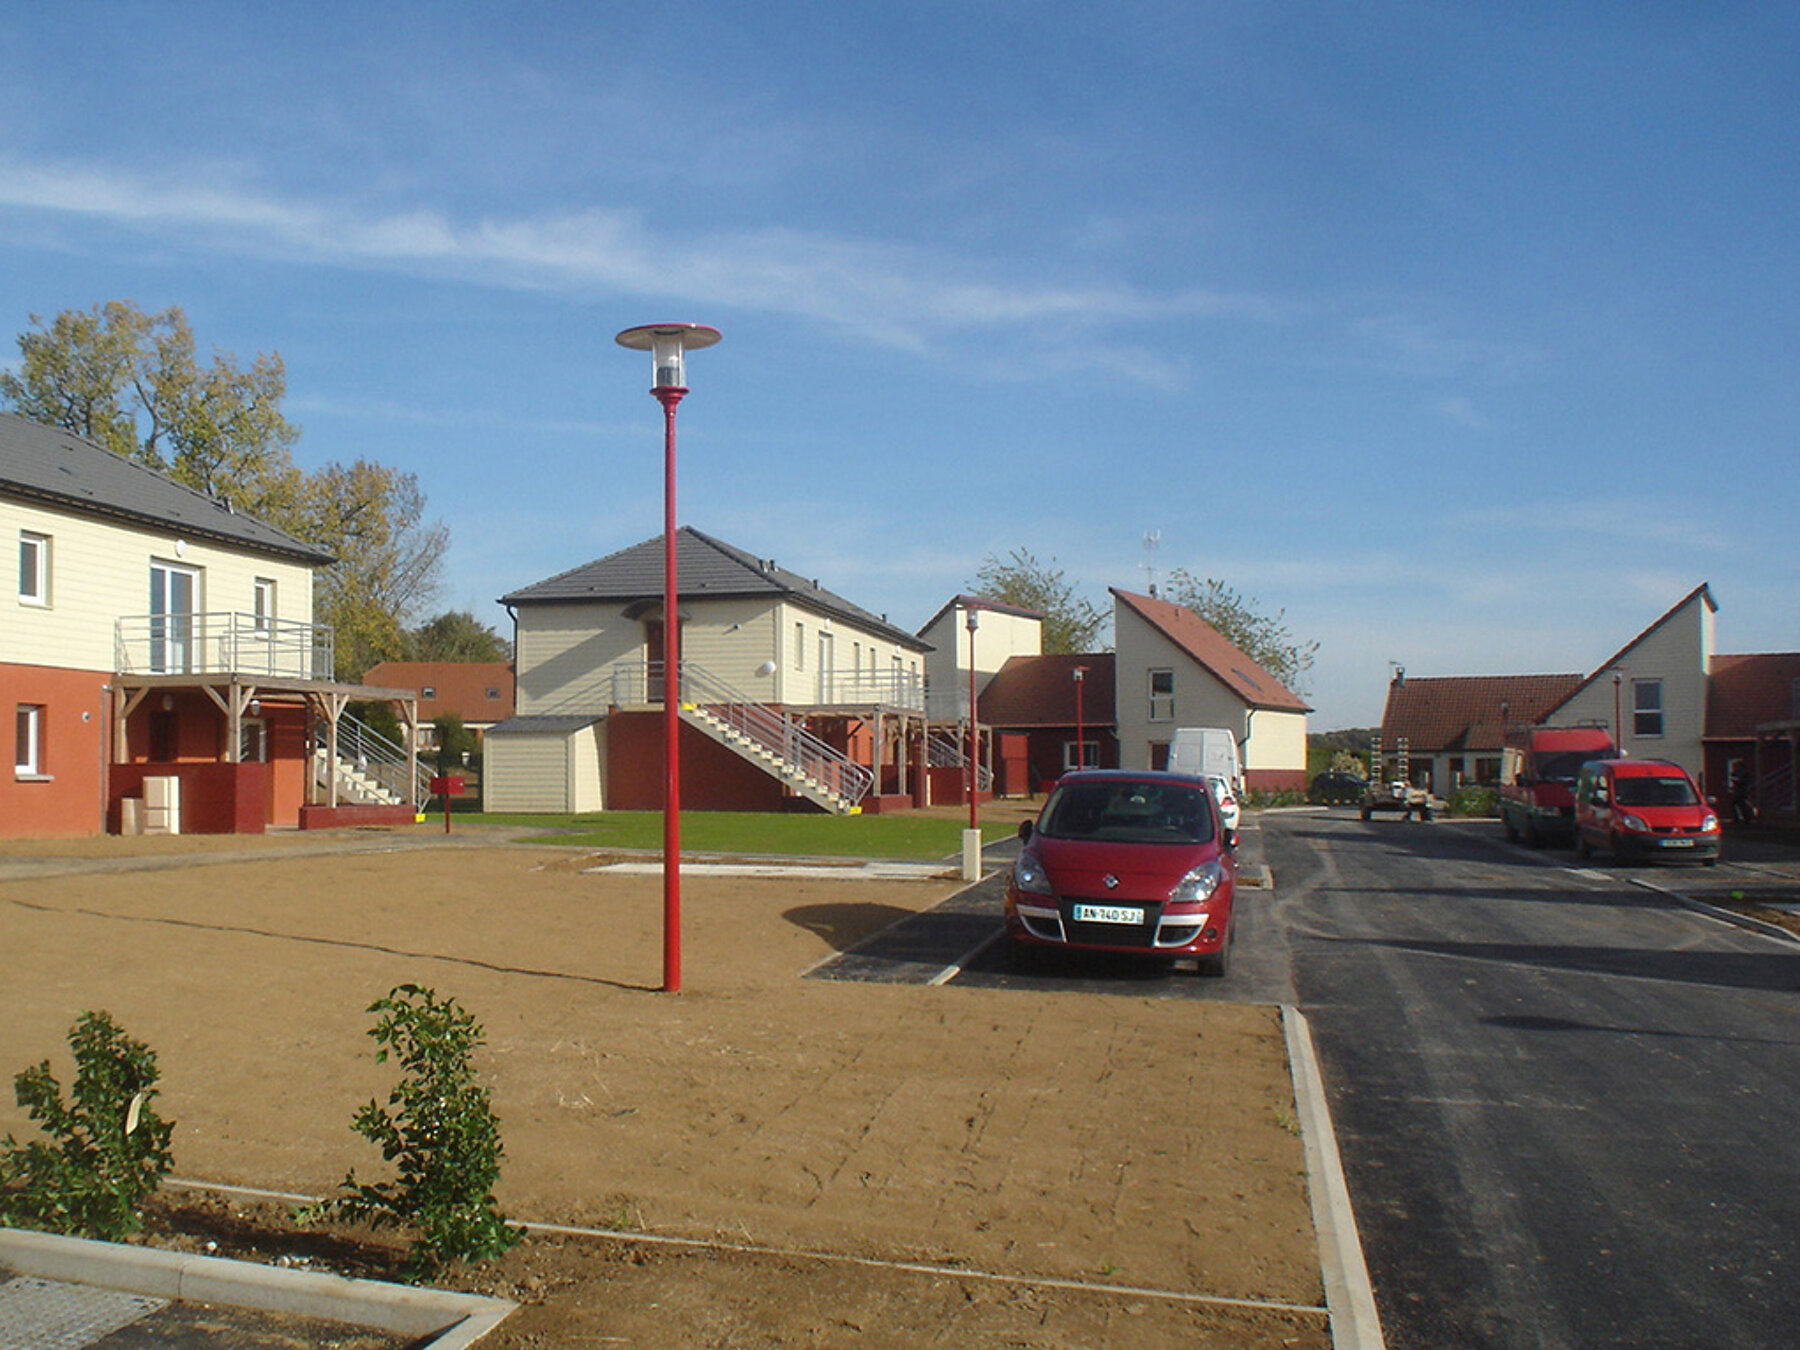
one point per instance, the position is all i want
(827, 673)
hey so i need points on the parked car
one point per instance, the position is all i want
(1226, 796)
(1643, 808)
(1538, 769)
(1338, 789)
(1122, 861)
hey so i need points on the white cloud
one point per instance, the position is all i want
(889, 294)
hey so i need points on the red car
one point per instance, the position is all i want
(1127, 862)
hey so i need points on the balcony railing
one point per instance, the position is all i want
(223, 644)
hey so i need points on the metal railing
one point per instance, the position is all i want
(768, 728)
(948, 750)
(222, 644)
(366, 753)
(900, 689)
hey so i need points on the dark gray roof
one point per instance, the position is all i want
(706, 568)
(538, 724)
(59, 468)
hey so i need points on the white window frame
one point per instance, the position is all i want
(1162, 704)
(28, 746)
(34, 581)
(253, 740)
(1090, 760)
(1643, 708)
(172, 631)
(263, 604)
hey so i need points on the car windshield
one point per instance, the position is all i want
(1130, 813)
(1655, 792)
(1564, 767)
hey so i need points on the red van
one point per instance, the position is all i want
(1643, 808)
(1538, 769)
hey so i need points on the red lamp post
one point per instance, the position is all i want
(1080, 673)
(668, 343)
(971, 840)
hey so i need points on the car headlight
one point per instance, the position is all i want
(1710, 824)
(1633, 823)
(1029, 877)
(1200, 883)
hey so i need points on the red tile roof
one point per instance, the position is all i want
(1039, 691)
(459, 687)
(1469, 712)
(1200, 640)
(1746, 691)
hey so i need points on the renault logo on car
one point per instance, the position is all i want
(1112, 882)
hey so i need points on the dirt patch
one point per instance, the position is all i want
(869, 1164)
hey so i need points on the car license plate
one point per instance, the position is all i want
(1677, 843)
(1128, 914)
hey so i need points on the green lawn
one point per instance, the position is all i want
(905, 837)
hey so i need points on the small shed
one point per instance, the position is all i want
(545, 763)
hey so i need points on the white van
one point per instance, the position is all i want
(1206, 750)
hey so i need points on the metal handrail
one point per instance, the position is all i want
(762, 725)
(226, 643)
(945, 750)
(375, 755)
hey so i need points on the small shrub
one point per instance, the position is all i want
(1473, 801)
(107, 1150)
(441, 1136)
(1261, 799)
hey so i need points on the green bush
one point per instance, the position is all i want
(107, 1151)
(1261, 799)
(1469, 800)
(441, 1136)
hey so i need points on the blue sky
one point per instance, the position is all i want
(1463, 333)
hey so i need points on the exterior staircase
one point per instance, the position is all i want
(774, 741)
(948, 749)
(371, 769)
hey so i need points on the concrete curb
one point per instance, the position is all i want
(1730, 916)
(1355, 1323)
(457, 1319)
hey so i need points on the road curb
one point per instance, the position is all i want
(1730, 916)
(1355, 1323)
(449, 1320)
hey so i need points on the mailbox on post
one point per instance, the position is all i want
(447, 787)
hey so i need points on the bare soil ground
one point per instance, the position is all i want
(875, 1165)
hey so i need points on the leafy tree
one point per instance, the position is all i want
(1071, 622)
(457, 635)
(133, 382)
(389, 560)
(1264, 638)
(454, 741)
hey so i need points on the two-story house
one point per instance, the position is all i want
(788, 691)
(152, 631)
(1173, 669)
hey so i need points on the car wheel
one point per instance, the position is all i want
(1216, 966)
(1366, 813)
(1424, 813)
(1583, 849)
(1512, 830)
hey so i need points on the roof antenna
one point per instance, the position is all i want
(1151, 539)
(1399, 674)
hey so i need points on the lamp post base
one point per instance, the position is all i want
(971, 855)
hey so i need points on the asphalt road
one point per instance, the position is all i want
(1565, 1103)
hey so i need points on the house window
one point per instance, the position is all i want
(429, 691)
(1162, 696)
(28, 754)
(34, 569)
(1646, 708)
(1086, 756)
(174, 596)
(253, 741)
(799, 646)
(493, 693)
(264, 604)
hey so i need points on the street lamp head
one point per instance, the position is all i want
(667, 344)
(973, 619)
(1080, 673)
